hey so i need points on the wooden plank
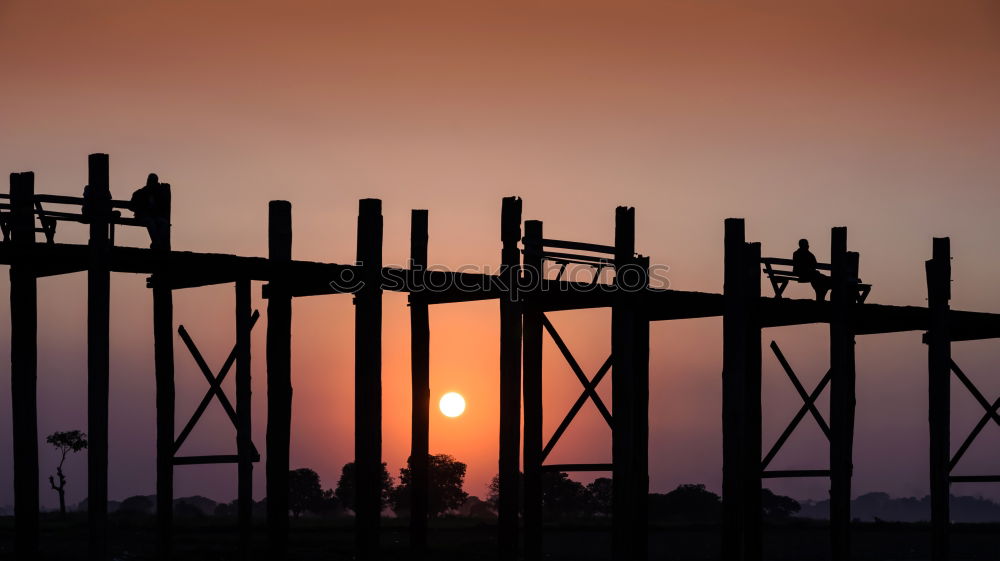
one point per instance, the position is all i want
(532, 368)
(368, 381)
(163, 357)
(421, 391)
(279, 376)
(939, 366)
(244, 443)
(579, 246)
(842, 391)
(577, 467)
(24, 366)
(210, 459)
(510, 382)
(97, 197)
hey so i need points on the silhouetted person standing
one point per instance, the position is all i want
(150, 204)
(804, 265)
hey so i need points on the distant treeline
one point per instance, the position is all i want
(875, 507)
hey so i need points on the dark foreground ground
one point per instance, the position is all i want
(214, 539)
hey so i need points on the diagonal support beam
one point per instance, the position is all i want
(991, 413)
(588, 390)
(590, 385)
(215, 384)
(796, 419)
(975, 392)
(802, 391)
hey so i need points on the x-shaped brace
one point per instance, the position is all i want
(991, 413)
(589, 388)
(215, 386)
(808, 405)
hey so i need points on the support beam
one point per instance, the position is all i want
(533, 439)
(97, 208)
(163, 356)
(939, 394)
(24, 366)
(752, 423)
(244, 444)
(510, 380)
(368, 381)
(741, 397)
(844, 280)
(734, 363)
(421, 390)
(630, 371)
(279, 376)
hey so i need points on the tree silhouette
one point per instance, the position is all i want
(65, 442)
(687, 503)
(304, 491)
(600, 495)
(777, 507)
(445, 478)
(346, 491)
(561, 496)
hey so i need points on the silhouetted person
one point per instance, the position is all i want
(150, 205)
(804, 265)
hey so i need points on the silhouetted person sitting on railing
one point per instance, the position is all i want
(804, 265)
(151, 206)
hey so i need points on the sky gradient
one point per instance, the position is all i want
(881, 117)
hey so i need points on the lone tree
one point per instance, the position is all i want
(445, 477)
(346, 490)
(65, 442)
(304, 491)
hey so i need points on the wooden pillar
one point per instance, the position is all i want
(97, 210)
(510, 380)
(163, 356)
(532, 322)
(279, 376)
(939, 394)
(640, 413)
(842, 299)
(368, 381)
(734, 366)
(244, 445)
(628, 539)
(752, 423)
(24, 365)
(421, 389)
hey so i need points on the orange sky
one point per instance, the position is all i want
(797, 116)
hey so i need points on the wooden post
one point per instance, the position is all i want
(244, 445)
(24, 365)
(939, 394)
(279, 376)
(842, 299)
(751, 421)
(97, 210)
(640, 415)
(734, 364)
(163, 356)
(368, 381)
(421, 389)
(532, 313)
(510, 380)
(625, 546)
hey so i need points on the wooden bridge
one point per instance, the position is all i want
(524, 298)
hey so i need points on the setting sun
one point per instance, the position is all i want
(452, 404)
